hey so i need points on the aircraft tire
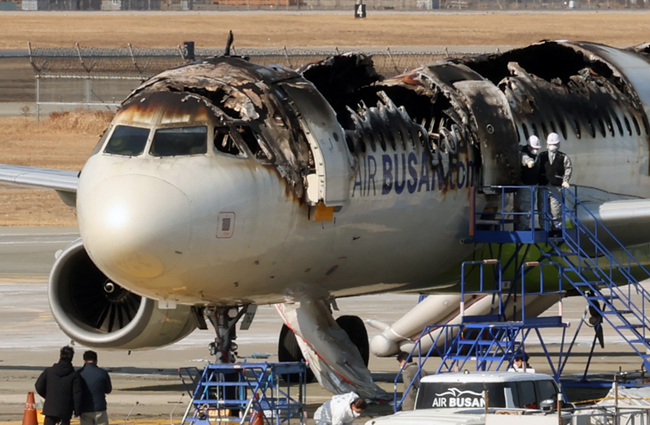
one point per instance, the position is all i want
(356, 330)
(289, 351)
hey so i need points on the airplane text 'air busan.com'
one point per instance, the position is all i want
(222, 184)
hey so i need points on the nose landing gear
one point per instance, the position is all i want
(224, 320)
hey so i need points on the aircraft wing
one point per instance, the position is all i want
(63, 181)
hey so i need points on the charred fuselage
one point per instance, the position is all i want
(222, 182)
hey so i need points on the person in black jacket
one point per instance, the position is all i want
(96, 384)
(529, 177)
(60, 386)
(556, 170)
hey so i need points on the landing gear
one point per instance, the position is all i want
(289, 351)
(224, 320)
(332, 356)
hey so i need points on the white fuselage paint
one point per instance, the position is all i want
(151, 225)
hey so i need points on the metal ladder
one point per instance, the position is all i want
(596, 273)
(246, 393)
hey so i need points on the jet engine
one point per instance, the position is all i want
(97, 312)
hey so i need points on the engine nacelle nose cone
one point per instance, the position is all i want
(135, 227)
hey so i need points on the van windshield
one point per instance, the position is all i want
(441, 395)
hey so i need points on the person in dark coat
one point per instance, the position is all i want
(96, 384)
(529, 177)
(60, 386)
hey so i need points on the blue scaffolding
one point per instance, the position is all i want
(245, 393)
(570, 254)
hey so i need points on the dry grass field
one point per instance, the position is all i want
(62, 141)
(66, 141)
(257, 29)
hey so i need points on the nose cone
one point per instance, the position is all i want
(134, 227)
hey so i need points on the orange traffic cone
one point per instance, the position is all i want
(29, 417)
(257, 417)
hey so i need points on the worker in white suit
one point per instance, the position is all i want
(342, 409)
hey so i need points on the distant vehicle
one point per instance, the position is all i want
(463, 395)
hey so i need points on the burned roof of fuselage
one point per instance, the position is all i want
(239, 92)
(218, 79)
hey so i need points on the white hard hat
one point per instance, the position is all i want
(553, 139)
(533, 142)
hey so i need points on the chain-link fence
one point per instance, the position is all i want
(297, 5)
(89, 77)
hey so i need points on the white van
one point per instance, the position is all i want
(462, 395)
(505, 389)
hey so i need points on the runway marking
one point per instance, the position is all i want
(9, 235)
(24, 279)
(39, 242)
(42, 316)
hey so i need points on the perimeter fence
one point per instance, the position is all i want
(91, 77)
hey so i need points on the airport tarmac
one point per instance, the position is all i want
(147, 383)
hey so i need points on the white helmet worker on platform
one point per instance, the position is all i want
(534, 145)
(556, 169)
(553, 148)
(553, 139)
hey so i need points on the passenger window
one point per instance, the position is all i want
(627, 125)
(563, 129)
(544, 130)
(527, 397)
(180, 141)
(636, 126)
(618, 124)
(224, 142)
(546, 390)
(592, 129)
(257, 150)
(601, 127)
(127, 141)
(576, 128)
(610, 126)
(526, 134)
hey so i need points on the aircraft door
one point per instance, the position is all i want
(330, 183)
(495, 129)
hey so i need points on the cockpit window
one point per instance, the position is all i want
(128, 141)
(179, 141)
(225, 143)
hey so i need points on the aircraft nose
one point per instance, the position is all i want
(135, 227)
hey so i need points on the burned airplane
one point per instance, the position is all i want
(221, 185)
